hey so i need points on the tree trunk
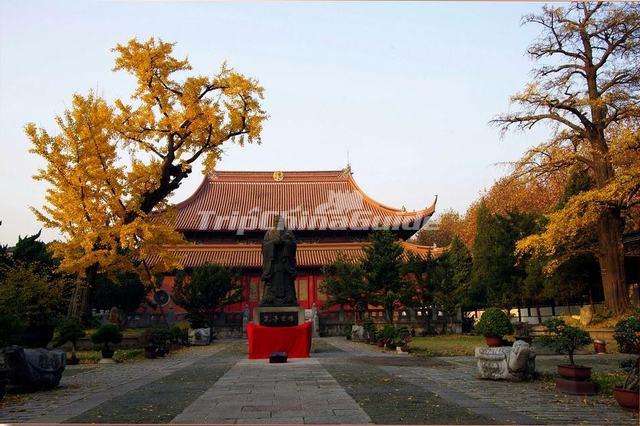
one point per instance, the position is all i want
(80, 305)
(611, 259)
(388, 312)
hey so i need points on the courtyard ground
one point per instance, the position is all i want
(343, 382)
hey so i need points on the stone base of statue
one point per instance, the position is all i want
(517, 362)
(278, 316)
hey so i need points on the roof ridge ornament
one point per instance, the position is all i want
(346, 172)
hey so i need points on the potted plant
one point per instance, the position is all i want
(493, 325)
(70, 330)
(369, 329)
(379, 339)
(627, 334)
(564, 339)
(390, 336)
(105, 334)
(179, 336)
(156, 342)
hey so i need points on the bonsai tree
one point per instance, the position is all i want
(105, 334)
(70, 330)
(179, 335)
(494, 323)
(390, 335)
(563, 338)
(157, 341)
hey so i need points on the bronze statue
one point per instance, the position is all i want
(279, 266)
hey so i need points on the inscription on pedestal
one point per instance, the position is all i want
(279, 319)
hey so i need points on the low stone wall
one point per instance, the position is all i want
(342, 328)
(85, 344)
(605, 334)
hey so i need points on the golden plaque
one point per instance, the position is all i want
(278, 176)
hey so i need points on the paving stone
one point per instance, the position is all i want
(344, 382)
(291, 393)
(84, 391)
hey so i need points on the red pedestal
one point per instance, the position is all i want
(295, 341)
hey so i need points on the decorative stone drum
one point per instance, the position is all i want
(517, 362)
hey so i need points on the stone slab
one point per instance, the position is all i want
(280, 393)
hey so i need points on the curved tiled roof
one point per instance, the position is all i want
(250, 255)
(309, 200)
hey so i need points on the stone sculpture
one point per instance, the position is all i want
(34, 369)
(515, 362)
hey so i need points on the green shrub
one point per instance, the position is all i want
(107, 333)
(30, 297)
(179, 335)
(10, 325)
(368, 327)
(389, 333)
(563, 338)
(494, 323)
(627, 334)
(157, 336)
(70, 330)
(128, 354)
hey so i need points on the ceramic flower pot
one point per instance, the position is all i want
(107, 353)
(73, 360)
(493, 341)
(574, 372)
(600, 346)
(627, 399)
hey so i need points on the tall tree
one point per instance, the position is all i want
(382, 266)
(450, 279)
(497, 277)
(448, 226)
(124, 291)
(111, 165)
(418, 271)
(586, 86)
(30, 251)
(205, 291)
(344, 284)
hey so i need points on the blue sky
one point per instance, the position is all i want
(406, 88)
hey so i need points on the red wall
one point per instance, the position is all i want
(307, 292)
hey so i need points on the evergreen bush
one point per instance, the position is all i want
(494, 323)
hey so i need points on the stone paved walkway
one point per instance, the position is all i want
(254, 391)
(501, 402)
(81, 392)
(344, 382)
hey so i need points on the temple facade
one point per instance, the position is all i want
(226, 219)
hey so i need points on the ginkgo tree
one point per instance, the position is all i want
(110, 166)
(586, 87)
